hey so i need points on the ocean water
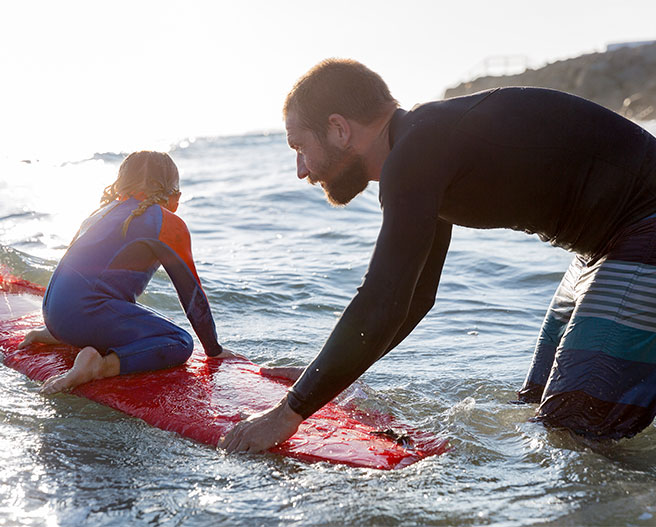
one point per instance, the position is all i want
(279, 265)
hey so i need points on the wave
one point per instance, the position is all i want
(186, 145)
(26, 266)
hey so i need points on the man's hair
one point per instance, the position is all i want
(341, 86)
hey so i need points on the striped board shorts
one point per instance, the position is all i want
(594, 366)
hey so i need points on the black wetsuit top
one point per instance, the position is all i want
(528, 159)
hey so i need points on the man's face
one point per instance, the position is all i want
(340, 172)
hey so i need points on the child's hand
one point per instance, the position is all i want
(227, 354)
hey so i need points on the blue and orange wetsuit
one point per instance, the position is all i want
(91, 297)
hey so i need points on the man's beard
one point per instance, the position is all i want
(349, 175)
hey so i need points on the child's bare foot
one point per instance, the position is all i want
(41, 335)
(89, 365)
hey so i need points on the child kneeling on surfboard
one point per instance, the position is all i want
(90, 301)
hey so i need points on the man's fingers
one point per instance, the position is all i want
(235, 445)
(230, 445)
(235, 441)
(230, 442)
(288, 372)
(225, 441)
(261, 431)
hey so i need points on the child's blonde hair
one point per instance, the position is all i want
(151, 176)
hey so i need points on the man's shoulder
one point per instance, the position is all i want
(462, 103)
(435, 118)
(421, 144)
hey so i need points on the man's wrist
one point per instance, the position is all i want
(288, 412)
(297, 405)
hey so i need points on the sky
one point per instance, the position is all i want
(79, 77)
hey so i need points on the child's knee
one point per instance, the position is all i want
(184, 347)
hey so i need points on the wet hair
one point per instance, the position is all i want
(152, 176)
(341, 86)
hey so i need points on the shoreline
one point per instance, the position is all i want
(623, 79)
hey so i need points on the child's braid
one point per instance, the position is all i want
(152, 175)
(150, 200)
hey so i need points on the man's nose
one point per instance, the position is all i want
(301, 170)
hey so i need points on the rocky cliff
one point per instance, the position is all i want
(622, 79)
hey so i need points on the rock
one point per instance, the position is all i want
(623, 78)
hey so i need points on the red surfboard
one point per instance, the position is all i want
(203, 398)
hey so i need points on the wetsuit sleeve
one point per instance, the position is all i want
(179, 264)
(378, 314)
(423, 298)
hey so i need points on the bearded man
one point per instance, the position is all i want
(530, 159)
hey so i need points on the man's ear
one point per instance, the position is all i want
(339, 130)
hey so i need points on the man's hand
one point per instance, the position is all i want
(291, 372)
(263, 430)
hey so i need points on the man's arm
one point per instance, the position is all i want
(423, 298)
(377, 312)
(369, 325)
